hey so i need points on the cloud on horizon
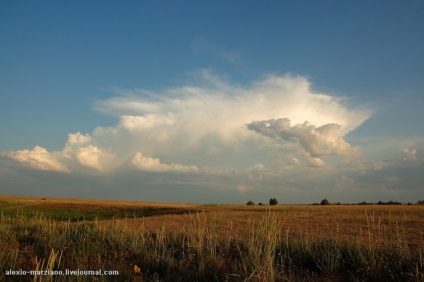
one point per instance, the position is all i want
(207, 127)
(214, 139)
(38, 158)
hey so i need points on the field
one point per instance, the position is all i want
(187, 242)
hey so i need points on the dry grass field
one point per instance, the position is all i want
(189, 242)
(341, 222)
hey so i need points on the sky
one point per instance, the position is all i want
(213, 101)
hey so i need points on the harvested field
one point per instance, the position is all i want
(345, 222)
(189, 242)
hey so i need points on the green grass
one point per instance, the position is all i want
(90, 215)
(62, 215)
(266, 251)
(77, 212)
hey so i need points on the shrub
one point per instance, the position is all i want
(325, 202)
(250, 203)
(389, 203)
(273, 201)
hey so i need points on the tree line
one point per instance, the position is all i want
(325, 202)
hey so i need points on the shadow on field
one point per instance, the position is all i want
(89, 212)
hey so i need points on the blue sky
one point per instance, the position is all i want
(213, 102)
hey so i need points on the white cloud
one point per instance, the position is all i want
(39, 158)
(78, 138)
(275, 135)
(77, 154)
(154, 165)
(311, 142)
(206, 125)
(215, 114)
(89, 157)
(80, 149)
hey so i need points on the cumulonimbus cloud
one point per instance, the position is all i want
(213, 122)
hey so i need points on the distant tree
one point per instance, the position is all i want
(260, 204)
(273, 201)
(325, 202)
(250, 203)
(421, 202)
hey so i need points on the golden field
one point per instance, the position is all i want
(300, 232)
(350, 222)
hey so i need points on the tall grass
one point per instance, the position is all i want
(266, 251)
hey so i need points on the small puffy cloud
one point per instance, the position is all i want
(80, 149)
(39, 158)
(143, 163)
(410, 153)
(78, 138)
(77, 155)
